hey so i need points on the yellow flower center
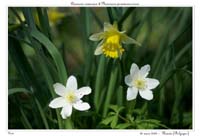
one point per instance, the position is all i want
(70, 97)
(140, 84)
(111, 47)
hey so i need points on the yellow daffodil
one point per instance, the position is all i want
(111, 41)
(55, 15)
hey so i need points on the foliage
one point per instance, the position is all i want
(43, 51)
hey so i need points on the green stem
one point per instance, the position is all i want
(111, 87)
(120, 96)
(124, 119)
(99, 82)
(131, 106)
(68, 123)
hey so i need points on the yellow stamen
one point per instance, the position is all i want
(112, 47)
(70, 97)
(140, 84)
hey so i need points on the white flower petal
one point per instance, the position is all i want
(129, 80)
(134, 69)
(128, 40)
(57, 102)
(60, 89)
(146, 94)
(72, 83)
(97, 36)
(98, 50)
(66, 111)
(107, 26)
(83, 91)
(144, 71)
(131, 93)
(81, 106)
(152, 83)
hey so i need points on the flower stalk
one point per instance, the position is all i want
(111, 88)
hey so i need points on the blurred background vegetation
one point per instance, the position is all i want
(166, 37)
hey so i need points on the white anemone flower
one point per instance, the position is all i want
(138, 82)
(70, 96)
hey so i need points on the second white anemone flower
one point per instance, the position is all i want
(70, 96)
(138, 82)
(111, 40)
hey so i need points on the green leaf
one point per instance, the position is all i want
(131, 118)
(125, 16)
(25, 120)
(41, 110)
(17, 90)
(53, 52)
(149, 124)
(107, 120)
(110, 15)
(123, 125)
(114, 121)
(116, 108)
(13, 27)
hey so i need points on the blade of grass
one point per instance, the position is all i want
(17, 90)
(162, 46)
(183, 51)
(25, 119)
(110, 15)
(97, 19)
(42, 113)
(46, 75)
(29, 17)
(125, 16)
(88, 50)
(43, 19)
(53, 52)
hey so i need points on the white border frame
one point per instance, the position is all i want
(67, 3)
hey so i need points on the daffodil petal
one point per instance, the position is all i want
(144, 71)
(72, 83)
(134, 69)
(81, 106)
(57, 102)
(131, 93)
(97, 36)
(146, 94)
(152, 83)
(107, 26)
(66, 111)
(115, 25)
(128, 40)
(128, 80)
(83, 91)
(60, 89)
(98, 50)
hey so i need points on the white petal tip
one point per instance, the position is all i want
(130, 99)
